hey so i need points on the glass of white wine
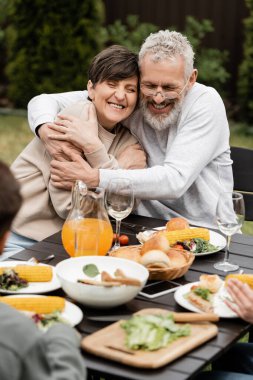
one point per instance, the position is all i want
(119, 202)
(230, 214)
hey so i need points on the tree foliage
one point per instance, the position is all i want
(210, 62)
(245, 81)
(50, 45)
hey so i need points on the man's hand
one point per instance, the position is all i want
(132, 157)
(55, 148)
(242, 295)
(64, 174)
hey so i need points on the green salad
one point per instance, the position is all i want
(198, 245)
(151, 332)
(11, 281)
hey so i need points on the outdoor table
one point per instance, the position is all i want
(230, 330)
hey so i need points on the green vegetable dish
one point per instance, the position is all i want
(11, 281)
(151, 332)
(198, 245)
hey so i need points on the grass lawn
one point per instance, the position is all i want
(15, 135)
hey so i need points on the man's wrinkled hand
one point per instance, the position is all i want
(65, 173)
(132, 157)
(55, 148)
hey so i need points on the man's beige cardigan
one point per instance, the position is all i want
(45, 207)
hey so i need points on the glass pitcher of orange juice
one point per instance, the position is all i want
(87, 230)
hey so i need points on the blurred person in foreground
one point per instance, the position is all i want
(237, 362)
(182, 126)
(93, 128)
(25, 351)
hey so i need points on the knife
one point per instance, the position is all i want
(178, 317)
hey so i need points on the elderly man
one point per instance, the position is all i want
(182, 126)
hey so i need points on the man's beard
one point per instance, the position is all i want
(163, 121)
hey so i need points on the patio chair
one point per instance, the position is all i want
(243, 177)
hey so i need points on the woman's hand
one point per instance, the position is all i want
(82, 132)
(55, 148)
(242, 295)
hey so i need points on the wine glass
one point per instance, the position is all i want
(119, 202)
(230, 215)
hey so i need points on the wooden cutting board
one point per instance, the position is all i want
(109, 343)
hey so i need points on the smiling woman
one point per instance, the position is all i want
(92, 128)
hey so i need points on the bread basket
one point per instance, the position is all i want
(171, 273)
(156, 273)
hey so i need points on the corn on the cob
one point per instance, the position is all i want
(32, 273)
(246, 278)
(186, 234)
(40, 305)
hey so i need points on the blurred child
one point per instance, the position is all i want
(26, 352)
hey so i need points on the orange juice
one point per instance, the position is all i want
(96, 235)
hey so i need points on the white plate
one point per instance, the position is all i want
(220, 308)
(33, 287)
(215, 238)
(71, 313)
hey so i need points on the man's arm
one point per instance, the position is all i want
(45, 107)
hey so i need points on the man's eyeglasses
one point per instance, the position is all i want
(150, 90)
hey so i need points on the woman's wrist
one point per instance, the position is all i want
(93, 146)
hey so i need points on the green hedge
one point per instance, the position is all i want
(50, 45)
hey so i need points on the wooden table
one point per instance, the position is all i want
(230, 330)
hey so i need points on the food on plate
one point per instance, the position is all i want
(201, 295)
(31, 273)
(44, 321)
(200, 298)
(9, 280)
(40, 305)
(245, 278)
(158, 242)
(186, 234)
(107, 280)
(211, 282)
(198, 245)
(175, 224)
(152, 332)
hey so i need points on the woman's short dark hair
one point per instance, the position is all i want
(10, 198)
(113, 63)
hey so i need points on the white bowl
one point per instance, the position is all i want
(71, 270)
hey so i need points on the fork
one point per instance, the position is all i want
(44, 260)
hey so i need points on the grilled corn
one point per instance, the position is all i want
(246, 278)
(40, 305)
(186, 234)
(32, 273)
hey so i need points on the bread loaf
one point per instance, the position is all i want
(157, 241)
(211, 282)
(155, 258)
(175, 224)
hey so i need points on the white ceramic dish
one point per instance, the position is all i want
(71, 270)
(72, 314)
(33, 287)
(220, 308)
(215, 238)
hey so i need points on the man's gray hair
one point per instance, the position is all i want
(167, 44)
